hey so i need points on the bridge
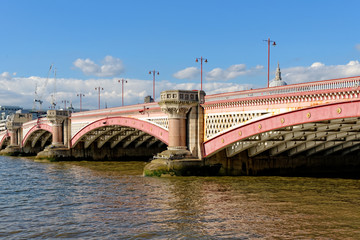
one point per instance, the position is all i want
(281, 129)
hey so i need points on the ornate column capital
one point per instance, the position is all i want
(176, 103)
(57, 117)
(16, 120)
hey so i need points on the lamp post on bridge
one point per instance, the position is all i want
(65, 101)
(201, 64)
(154, 72)
(274, 44)
(80, 95)
(122, 90)
(99, 88)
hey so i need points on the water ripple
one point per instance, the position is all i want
(111, 200)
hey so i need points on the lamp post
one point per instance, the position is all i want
(65, 101)
(80, 95)
(122, 90)
(99, 88)
(154, 72)
(201, 63)
(274, 44)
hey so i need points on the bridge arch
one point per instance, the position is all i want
(108, 131)
(326, 116)
(3, 140)
(39, 132)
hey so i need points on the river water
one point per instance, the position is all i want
(112, 200)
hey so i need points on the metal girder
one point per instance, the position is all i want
(90, 137)
(121, 138)
(45, 139)
(133, 138)
(238, 147)
(329, 141)
(36, 136)
(152, 142)
(105, 138)
(292, 136)
(94, 135)
(299, 147)
(143, 139)
(352, 149)
(263, 137)
(349, 142)
(323, 146)
(322, 130)
(310, 143)
(264, 144)
(282, 147)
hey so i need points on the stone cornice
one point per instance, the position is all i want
(176, 103)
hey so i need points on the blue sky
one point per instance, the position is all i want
(94, 43)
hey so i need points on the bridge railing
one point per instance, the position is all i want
(342, 83)
(119, 110)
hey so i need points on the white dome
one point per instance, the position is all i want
(277, 83)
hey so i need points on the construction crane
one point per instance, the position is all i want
(39, 93)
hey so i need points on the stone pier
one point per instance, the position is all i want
(58, 149)
(13, 126)
(178, 159)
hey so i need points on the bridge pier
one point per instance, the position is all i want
(15, 132)
(57, 149)
(178, 159)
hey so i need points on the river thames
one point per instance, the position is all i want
(112, 200)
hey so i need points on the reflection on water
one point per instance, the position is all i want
(112, 200)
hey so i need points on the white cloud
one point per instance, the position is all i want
(217, 74)
(234, 71)
(319, 71)
(5, 76)
(317, 65)
(110, 67)
(20, 90)
(187, 73)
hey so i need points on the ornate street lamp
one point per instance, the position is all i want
(201, 63)
(154, 72)
(80, 95)
(274, 44)
(99, 88)
(65, 101)
(122, 90)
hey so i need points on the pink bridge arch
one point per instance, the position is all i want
(35, 128)
(4, 138)
(302, 116)
(151, 129)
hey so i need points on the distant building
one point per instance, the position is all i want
(148, 99)
(7, 110)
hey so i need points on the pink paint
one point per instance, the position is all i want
(307, 115)
(151, 129)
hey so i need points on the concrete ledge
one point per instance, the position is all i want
(180, 167)
(11, 151)
(54, 153)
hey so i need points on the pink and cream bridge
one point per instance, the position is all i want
(287, 122)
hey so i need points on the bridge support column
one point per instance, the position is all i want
(57, 150)
(177, 159)
(14, 125)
